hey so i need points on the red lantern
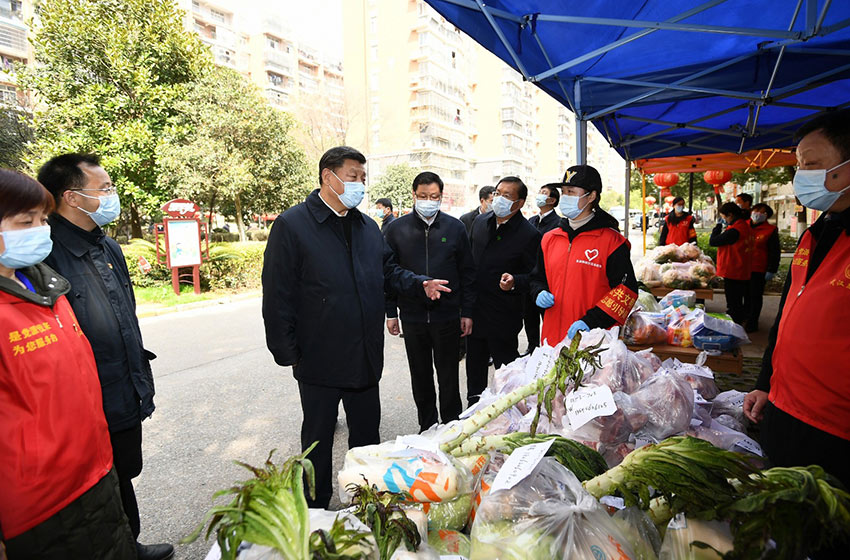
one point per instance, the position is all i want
(650, 200)
(718, 189)
(717, 177)
(664, 192)
(669, 199)
(666, 179)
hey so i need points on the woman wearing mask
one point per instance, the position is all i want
(678, 227)
(765, 261)
(584, 277)
(58, 497)
(733, 238)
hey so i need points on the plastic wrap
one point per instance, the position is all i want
(615, 428)
(703, 272)
(681, 532)
(668, 254)
(617, 371)
(676, 298)
(648, 272)
(730, 403)
(641, 532)
(449, 543)
(644, 328)
(546, 515)
(646, 302)
(690, 252)
(668, 401)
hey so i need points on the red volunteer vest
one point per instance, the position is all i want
(54, 442)
(735, 261)
(810, 361)
(761, 233)
(680, 233)
(577, 278)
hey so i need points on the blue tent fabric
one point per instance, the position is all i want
(661, 78)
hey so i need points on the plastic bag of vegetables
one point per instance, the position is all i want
(648, 272)
(690, 252)
(546, 515)
(646, 302)
(450, 542)
(703, 272)
(678, 297)
(686, 539)
(668, 253)
(643, 328)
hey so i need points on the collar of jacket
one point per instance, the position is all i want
(674, 219)
(421, 221)
(491, 220)
(830, 219)
(49, 286)
(321, 212)
(77, 240)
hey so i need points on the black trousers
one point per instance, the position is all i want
(531, 319)
(430, 346)
(478, 352)
(92, 526)
(736, 292)
(755, 299)
(127, 457)
(319, 406)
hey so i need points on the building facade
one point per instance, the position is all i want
(15, 48)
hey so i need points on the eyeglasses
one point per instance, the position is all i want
(107, 190)
(434, 197)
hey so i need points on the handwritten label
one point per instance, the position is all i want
(519, 465)
(641, 441)
(588, 403)
(750, 445)
(541, 362)
(732, 398)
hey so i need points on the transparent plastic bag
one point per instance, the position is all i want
(682, 531)
(648, 271)
(450, 543)
(690, 252)
(668, 401)
(546, 515)
(688, 298)
(703, 272)
(643, 328)
(646, 302)
(668, 254)
(616, 371)
(641, 532)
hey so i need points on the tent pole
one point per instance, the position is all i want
(628, 190)
(643, 206)
(581, 141)
(691, 191)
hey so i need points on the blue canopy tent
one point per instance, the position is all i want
(661, 78)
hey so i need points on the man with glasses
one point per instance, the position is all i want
(504, 246)
(433, 244)
(103, 301)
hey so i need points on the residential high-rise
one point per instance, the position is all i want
(219, 28)
(15, 48)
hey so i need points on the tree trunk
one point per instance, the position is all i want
(135, 223)
(238, 203)
(209, 217)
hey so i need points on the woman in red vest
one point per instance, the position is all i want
(765, 261)
(58, 492)
(678, 227)
(734, 242)
(584, 277)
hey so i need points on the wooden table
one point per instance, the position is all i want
(727, 362)
(702, 293)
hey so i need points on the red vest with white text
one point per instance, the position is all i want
(811, 361)
(679, 234)
(735, 261)
(761, 233)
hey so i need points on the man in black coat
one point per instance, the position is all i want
(432, 243)
(485, 200)
(325, 270)
(103, 301)
(547, 199)
(384, 211)
(504, 246)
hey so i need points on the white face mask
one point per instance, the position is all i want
(810, 188)
(758, 217)
(427, 208)
(502, 206)
(568, 205)
(541, 200)
(680, 209)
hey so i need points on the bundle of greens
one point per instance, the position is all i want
(383, 514)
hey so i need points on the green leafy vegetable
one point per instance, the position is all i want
(383, 514)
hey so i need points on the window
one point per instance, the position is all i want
(196, 6)
(220, 17)
(373, 25)
(272, 43)
(8, 95)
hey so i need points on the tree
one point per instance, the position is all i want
(611, 198)
(107, 76)
(15, 134)
(226, 146)
(396, 184)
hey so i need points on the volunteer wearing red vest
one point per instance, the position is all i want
(733, 238)
(765, 261)
(584, 277)
(59, 495)
(678, 227)
(802, 396)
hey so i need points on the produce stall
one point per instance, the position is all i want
(701, 293)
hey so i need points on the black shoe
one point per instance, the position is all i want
(154, 551)
(751, 328)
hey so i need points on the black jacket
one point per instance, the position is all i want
(511, 248)
(323, 297)
(440, 250)
(468, 218)
(618, 268)
(103, 301)
(550, 222)
(386, 221)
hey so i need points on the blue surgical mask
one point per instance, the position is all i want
(810, 188)
(107, 211)
(353, 194)
(25, 247)
(502, 206)
(541, 200)
(569, 206)
(427, 208)
(758, 217)
(679, 209)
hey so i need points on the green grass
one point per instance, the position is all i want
(165, 296)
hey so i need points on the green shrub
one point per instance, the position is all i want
(224, 237)
(233, 266)
(259, 235)
(787, 242)
(702, 241)
(140, 247)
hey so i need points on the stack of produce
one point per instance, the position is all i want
(676, 266)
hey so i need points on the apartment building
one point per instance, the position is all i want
(14, 47)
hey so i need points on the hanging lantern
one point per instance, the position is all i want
(666, 179)
(669, 199)
(664, 192)
(717, 177)
(650, 200)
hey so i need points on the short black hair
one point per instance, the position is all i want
(732, 209)
(554, 191)
(677, 200)
(21, 193)
(334, 158)
(746, 197)
(63, 173)
(427, 178)
(765, 208)
(385, 202)
(522, 190)
(835, 125)
(485, 192)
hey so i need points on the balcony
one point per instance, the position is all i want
(13, 38)
(277, 61)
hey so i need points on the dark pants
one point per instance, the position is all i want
(127, 457)
(430, 346)
(755, 299)
(478, 353)
(736, 292)
(319, 406)
(531, 319)
(92, 526)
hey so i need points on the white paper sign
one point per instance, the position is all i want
(751, 445)
(519, 465)
(541, 362)
(415, 441)
(641, 441)
(678, 522)
(613, 501)
(588, 403)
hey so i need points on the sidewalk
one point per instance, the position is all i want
(153, 309)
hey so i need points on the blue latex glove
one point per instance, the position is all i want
(768, 276)
(545, 300)
(577, 326)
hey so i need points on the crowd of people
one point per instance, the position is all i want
(76, 380)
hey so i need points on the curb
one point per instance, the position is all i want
(196, 305)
